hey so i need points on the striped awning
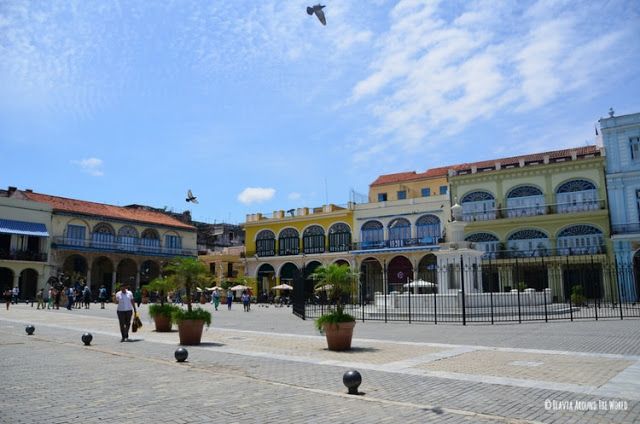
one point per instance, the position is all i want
(9, 226)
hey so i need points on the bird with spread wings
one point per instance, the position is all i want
(317, 9)
(191, 198)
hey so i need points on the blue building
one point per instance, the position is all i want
(621, 140)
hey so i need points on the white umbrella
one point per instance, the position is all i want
(283, 287)
(419, 283)
(239, 287)
(325, 287)
(213, 288)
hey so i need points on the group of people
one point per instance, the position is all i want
(73, 297)
(245, 298)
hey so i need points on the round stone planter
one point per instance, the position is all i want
(190, 331)
(339, 335)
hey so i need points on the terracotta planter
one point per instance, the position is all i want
(339, 335)
(190, 331)
(163, 323)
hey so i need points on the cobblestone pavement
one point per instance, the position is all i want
(268, 366)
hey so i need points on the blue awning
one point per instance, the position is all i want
(9, 226)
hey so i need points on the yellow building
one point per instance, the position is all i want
(293, 244)
(227, 265)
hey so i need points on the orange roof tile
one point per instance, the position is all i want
(109, 211)
(409, 176)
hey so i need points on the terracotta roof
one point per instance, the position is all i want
(409, 176)
(108, 211)
(513, 160)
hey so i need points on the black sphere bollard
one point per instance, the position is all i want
(30, 329)
(181, 354)
(86, 339)
(352, 380)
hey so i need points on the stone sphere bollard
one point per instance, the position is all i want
(86, 339)
(181, 354)
(30, 329)
(352, 380)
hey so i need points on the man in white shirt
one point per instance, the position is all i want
(126, 308)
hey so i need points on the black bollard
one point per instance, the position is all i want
(352, 380)
(30, 329)
(181, 354)
(86, 339)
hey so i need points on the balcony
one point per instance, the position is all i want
(625, 228)
(536, 210)
(544, 252)
(23, 255)
(396, 244)
(135, 247)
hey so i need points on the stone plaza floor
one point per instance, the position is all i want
(268, 366)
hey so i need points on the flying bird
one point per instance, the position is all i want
(317, 9)
(191, 198)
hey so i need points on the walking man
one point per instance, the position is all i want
(126, 308)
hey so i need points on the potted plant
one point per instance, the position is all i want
(186, 271)
(336, 324)
(162, 314)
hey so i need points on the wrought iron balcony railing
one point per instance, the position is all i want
(535, 210)
(23, 255)
(135, 247)
(543, 252)
(625, 228)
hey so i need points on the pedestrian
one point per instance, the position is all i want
(14, 295)
(126, 308)
(86, 296)
(57, 296)
(215, 299)
(69, 298)
(229, 299)
(40, 298)
(137, 296)
(102, 296)
(246, 300)
(8, 296)
(50, 298)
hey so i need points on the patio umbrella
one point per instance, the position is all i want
(325, 287)
(283, 287)
(419, 283)
(213, 288)
(238, 287)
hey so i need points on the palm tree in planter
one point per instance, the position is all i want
(162, 314)
(187, 271)
(336, 324)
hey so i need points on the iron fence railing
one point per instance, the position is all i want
(487, 291)
(117, 245)
(23, 255)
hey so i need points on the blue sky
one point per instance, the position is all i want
(256, 106)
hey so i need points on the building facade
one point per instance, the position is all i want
(105, 244)
(24, 245)
(621, 140)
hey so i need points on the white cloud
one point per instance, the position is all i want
(92, 166)
(256, 195)
(294, 196)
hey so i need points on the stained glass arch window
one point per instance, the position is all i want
(524, 191)
(266, 243)
(313, 239)
(339, 237)
(477, 196)
(289, 242)
(575, 185)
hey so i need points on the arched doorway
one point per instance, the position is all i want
(370, 279)
(101, 274)
(400, 272)
(75, 268)
(265, 277)
(288, 273)
(28, 283)
(428, 269)
(126, 272)
(148, 271)
(6, 279)
(309, 284)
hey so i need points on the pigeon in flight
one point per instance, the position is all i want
(317, 9)
(191, 198)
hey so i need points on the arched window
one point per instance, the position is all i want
(266, 243)
(577, 196)
(399, 232)
(150, 240)
(128, 238)
(580, 240)
(529, 243)
(173, 243)
(428, 229)
(525, 201)
(478, 206)
(339, 238)
(289, 242)
(103, 236)
(488, 243)
(372, 235)
(313, 239)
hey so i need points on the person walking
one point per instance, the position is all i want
(8, 296)
(215, 299)
(126, 308)
(102, 296)
(86, 296)
(50, 298)
(229, 299)
(246, 300)
(57, 295)
(70, 292)
(40, 298)
(14, 295)
(137, 296)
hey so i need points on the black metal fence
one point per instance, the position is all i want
(490, 291)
